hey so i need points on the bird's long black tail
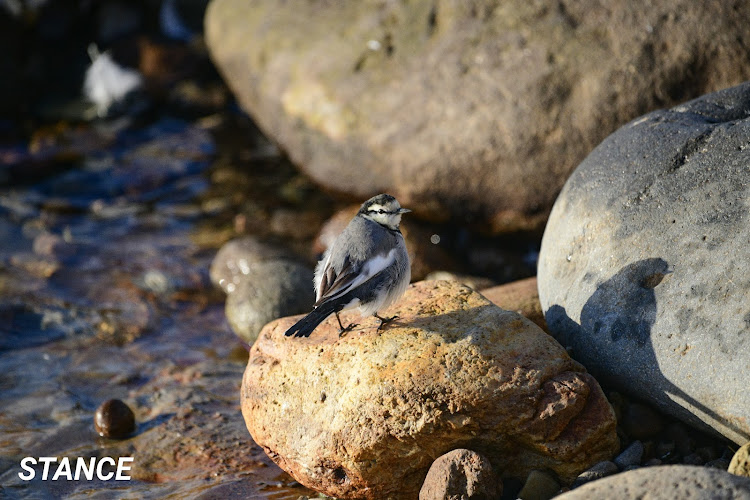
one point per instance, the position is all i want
(305, 326)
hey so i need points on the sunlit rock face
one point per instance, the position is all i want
(366, 414)
(465, 110)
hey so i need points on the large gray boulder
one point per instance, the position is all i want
(476, 111)
(666, 483)
(645, 263)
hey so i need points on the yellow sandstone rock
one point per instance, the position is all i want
(365, 415)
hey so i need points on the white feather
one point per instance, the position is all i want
(320, 271)
(107, 82)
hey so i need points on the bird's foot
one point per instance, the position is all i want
(344, 331)
(384, 321)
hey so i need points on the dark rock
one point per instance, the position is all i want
(114, 419)
(641, 422)
(632, 455)
(679, 434)
(461, 474)
(268, 291)
(707, 453)
(666, 483)
(540, 485)
(719, 463)
(644, 254)
(664, 448)
(598, 471)
(693, 459)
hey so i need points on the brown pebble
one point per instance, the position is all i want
(461, 473)
(114, 419)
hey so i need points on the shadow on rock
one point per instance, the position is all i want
(614, 340)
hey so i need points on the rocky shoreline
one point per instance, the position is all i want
(578, 318)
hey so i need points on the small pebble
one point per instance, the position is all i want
(693, 459)
(598, 471)
(678, 433)
(707, 453)
(114, 419)
(540, 485)
(664, 448)
(719, 463)
(631, 456)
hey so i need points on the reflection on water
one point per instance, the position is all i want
(106, 235)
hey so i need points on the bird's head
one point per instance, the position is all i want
(383, 209)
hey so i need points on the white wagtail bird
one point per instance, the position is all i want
(367, 266)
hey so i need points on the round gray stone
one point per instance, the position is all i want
(632, 455)
(235, 259)
(644, 271)
(598, 471)
(268, 291)
(666, 482)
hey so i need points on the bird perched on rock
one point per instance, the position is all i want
(366, 267)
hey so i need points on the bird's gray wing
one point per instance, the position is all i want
(352, 274)
(333, 281)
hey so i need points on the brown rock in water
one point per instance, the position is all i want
(465, 110)
(114, 419)
(521, 296)
(365, 415)
(461, 474)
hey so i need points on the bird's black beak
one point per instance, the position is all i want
(403, 210)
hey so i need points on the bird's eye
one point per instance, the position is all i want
(381, 211)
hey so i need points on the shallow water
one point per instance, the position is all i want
(106, 236)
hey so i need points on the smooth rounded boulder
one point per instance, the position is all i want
(364, 415)
(466, 111)
(643, 271)
(686, 482)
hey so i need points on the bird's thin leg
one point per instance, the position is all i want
(343, 330)
(384, 321)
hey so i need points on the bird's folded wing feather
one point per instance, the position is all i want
(351, 275)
